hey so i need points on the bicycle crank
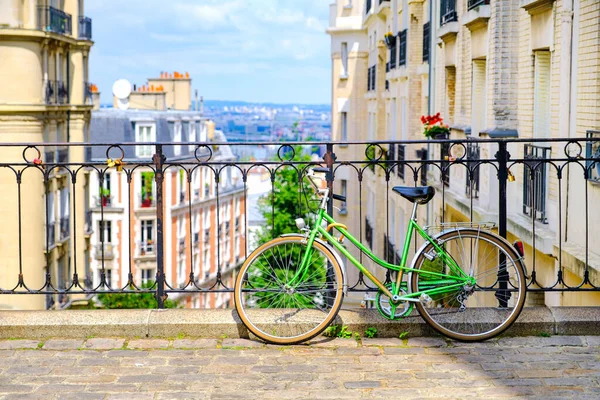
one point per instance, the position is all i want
(393, 308)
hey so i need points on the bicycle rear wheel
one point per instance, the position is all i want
(280, 309)
(481, 311)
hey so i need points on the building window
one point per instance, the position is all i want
(593, 152)
(144, 133)
(147, 236)
(541, 98)
(479, 97)
(105, 230)
(426, 42)
(344, 74)
(148, 275)
(344, 124)
(535, 184)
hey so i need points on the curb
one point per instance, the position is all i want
(225, 323)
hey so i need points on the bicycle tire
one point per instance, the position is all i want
(479, 319)
(279, 312)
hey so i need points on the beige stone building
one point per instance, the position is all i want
(527, 69)
(379, 93)
(494, 69)
(45, 97)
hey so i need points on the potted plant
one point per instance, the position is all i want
(390, 39)
(434, 127)
(147, 200)
(105, 196)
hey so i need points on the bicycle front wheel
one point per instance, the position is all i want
(476, 312)
(278, 302)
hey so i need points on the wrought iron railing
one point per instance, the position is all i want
(448, 11)
(475, 3)
(572, 225)
(56, 92)
(402, 47)
(51, 19)
(85, 28)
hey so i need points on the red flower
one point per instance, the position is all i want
(37, 161)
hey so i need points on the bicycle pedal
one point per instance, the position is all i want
(426, 299)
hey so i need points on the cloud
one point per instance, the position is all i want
(221, 41)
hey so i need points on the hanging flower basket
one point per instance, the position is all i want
(434, 127)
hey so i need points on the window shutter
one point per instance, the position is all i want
(541, 100)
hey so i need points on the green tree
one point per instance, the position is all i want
(288, 200)
(132, 300)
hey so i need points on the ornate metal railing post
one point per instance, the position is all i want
(158, 159)
(502, 156)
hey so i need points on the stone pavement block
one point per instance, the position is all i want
(241, 343)
(403, 350)
(131, 396)
(29, 370)
(534, 341)
(62, 344)
(539, 373)
(25, 396)
(90, 379)
(60, 388)
(362, 384)
(592, 340)
(126, 353)
(148, 344)
(195, 343)
(141, 378)
(336, 342)
(18, 344)
(383, 342)
(15, 388)
(79, 396)
(103, 344)
(111, 388)
(182, 396)
(426, 342)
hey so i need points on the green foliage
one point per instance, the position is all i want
(373, 155)
(281, 208)
(132, 300)
(338, 331)
(403, 335)
(544, 334)
(371, 332)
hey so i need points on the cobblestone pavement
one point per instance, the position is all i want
(545, 367)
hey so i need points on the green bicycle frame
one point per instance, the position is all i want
(440, 283)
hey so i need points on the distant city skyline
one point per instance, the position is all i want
(257, 51)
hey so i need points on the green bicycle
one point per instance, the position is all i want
(467, 283)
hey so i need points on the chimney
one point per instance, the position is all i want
(202, 105)
(196, 98)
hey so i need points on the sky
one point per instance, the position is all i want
(249, 50)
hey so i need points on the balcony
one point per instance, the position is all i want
(85, 28)
(105, 201)
(146, 248)
(51, 19)
(471, 4)
(478, 14)
(104, 251)
(147, 201)
(56, 93)
(448, 12)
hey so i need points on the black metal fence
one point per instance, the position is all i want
(475, 3)
(561, 250)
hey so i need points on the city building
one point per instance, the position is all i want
(203, 220)
(45, 97)
(493, 69)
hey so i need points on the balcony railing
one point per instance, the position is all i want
(476, 3)
(85, 28)
(426, 41)
(402, 46)
(535, 186)
(87, 94)
(448, 11)
(51, 19)
(56, 92)
(501, 203)
(104, 251)
(89, 229)
(103, 201)
(146, 248)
